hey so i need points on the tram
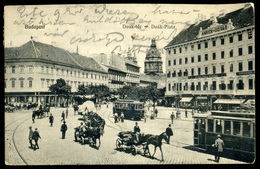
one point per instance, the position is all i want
(132, 109)
(237, 130)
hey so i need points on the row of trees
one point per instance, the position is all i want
(63, 90)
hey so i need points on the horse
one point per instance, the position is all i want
(156, 140)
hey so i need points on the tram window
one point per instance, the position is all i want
(203, 124)
(219, 126)
(246, 129)
(139, 106)
(236, 128)
(227, 127)
(210, 125)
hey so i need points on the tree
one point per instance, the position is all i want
(61, 89)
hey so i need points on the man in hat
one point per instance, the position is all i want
(51, 119)
(36, 137)
(63, 129)
(136, 132)
(30, 136)
(169, 133)
(219, 144)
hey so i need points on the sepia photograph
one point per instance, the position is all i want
(129, 84)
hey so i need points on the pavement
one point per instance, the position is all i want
(56, 151)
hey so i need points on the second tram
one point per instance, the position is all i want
(237, 130)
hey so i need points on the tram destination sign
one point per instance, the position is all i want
(207, 76)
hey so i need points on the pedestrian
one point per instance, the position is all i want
(219, 144)
(186, 113)
(51, 119)
(63, 129)
(156, 112)
(67, 112)
(76, 108)
(33, 116)
(172, 117)
(30, 136)
(122, 116)
(169, 133)
(145, 116)
(36, 136)
(62, 116)
(136, 132)
(116, 117)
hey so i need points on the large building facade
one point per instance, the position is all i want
(213, 59)
(31, 68)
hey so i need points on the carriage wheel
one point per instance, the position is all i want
(118, 143)
(134, 150)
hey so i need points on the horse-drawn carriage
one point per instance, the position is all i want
(41, 111)
(127, 142)
(92, 130)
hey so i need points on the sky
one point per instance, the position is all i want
(104, 28)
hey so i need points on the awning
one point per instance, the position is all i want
(229, 101)
(202, 98)
(186, 99)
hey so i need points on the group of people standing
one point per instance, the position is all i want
(34, 136)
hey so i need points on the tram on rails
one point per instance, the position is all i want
(132, 109)
(237, 130)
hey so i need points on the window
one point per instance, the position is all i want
(192, 59)
(13, 83)
(192, 86)
(218, 126)
(180, 61)
(199, 71)
(240, 66)
(210, 125)
(222, 54)
(169, 51)
(174, 51)
(222, 68)
(206, 57)
(240, 51)
(30, 83)
(22, 69)
(222, 41)
(180, 50)
(249, 34)
(206, 70)
(13, 69)
(206, 44)
(199, 46)
(231, 53)
(214, 69)
(21, 83)
(250, 49)
(214, 85)
(192, 47)
(231, 68)
(186, 48)
(240, 85)
(240, 37)
(230, 85)
(250, 65)
(169, 62)
(169, 87)
(246, 129)
(236, 128)
(174, 62)
(192, 71)
(213, 56)
(231, 39)
(199, 58)
(227, 127)
(213, 42)
(186, 60)
(250, 84)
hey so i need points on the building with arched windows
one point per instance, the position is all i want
(31, 68)
(213, 61)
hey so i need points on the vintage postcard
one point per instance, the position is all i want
(102, 84)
